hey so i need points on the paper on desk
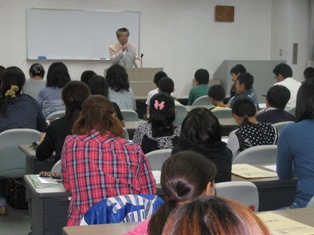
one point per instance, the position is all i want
(249, 171)
(279, 225)
(47, 180)
(156, 175)
(271, 167)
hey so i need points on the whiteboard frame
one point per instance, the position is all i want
(43, 56)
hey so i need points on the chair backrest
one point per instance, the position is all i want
(202, 100)
(156, 158)
(12, 160)
(244, 192)
(311, 203)
(261, 154)
(280, 125)
(223, 113)
(291, 110)
(129, 115)
(56, 167)
(230, 100)
(181, 113)
(125, 134)
(55, 115)
(125, 208)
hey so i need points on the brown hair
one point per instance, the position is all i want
(214, 215)
(97, 113)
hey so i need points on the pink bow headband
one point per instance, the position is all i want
(161, 105)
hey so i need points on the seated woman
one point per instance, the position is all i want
(50, 98)
(99, 86)
(184, 176)
(97, 163)
(159, 132)
(214, 215)
(73, 95)
(295, 146)
(35, 83)
(120, 91)
(250, 133)
(200, 132)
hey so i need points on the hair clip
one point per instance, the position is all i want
(161, 105)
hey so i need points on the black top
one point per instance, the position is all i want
(274, 116)
(218, 153)
(118, 111)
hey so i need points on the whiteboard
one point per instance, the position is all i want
(77, 34)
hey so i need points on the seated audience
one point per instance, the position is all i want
(166, 85)
(295, 147)
(159, 132)
(120, 91)
(276, 99)
(244, 88)
(250, 133)
(201, 77)
(99, 86)
(283, 76)
(97, 163)
(234, 73)
(184, 176)
(49, 97)
(18, 110)
(73, 95)
(159, 75)
(35, 83)
(308, 73)
(214, 215)
(86, 75)
(201, 132)
(216, 94)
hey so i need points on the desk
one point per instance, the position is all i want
(304, 215)
(49, 207)
(273, 192)
(33, 166)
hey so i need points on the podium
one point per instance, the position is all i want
(141, 80)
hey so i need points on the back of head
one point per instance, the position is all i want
(117, 78)
(278, 96)
(37, 70)
(58, 75)
(99, 114)
(216, 92)
(184, 177)
(247, 79)
(244, 107)
(308, 73)
(305, 101)
(159, 75)
(98, 85)
(201, 76)
(86, 75)
(161, 112)
(283, 69)
(214, 215)
(73, 95)
(166, 85)
(200, 126)
(238, 69)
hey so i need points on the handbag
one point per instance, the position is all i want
(16, 196)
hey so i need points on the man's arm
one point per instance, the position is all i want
(115, 55)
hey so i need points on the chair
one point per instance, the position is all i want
(311, 203)
(223, 113)
(261, 154)
(230, 101)
(244, 192)
(55, 115)
(129, 115)
(13, 162)
(280, 125)
(125, 134)
(202, 100)
(181, 113)
(291, 110)
(156, 158)
(56, 167)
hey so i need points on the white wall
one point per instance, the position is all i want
(179, 35)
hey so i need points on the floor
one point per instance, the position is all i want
(16, 222)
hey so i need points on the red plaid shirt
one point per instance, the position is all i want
(95, 167)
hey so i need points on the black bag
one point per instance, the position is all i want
(16, 196)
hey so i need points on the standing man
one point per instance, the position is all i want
(122, 52)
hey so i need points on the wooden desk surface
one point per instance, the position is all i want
(304, 215)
